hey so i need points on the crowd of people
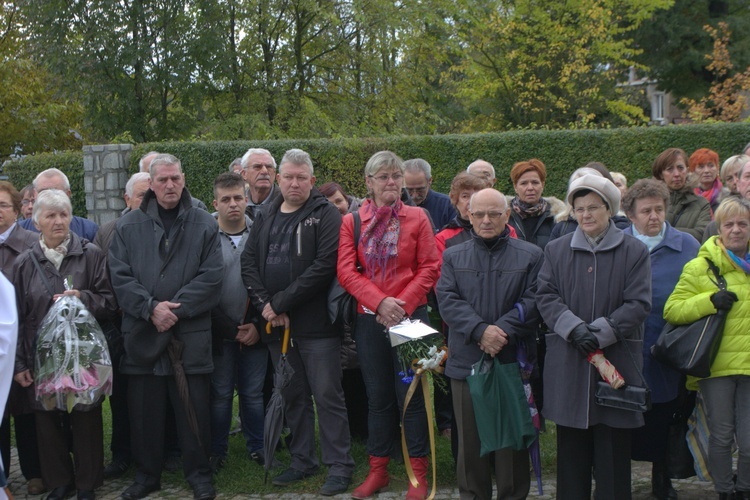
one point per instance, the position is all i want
(195, 304)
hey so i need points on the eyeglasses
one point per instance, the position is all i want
(27, 202)
(5, 206)
(259, 166)
(385, 177)
(491, 215)
(592, 209)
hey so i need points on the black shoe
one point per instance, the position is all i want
(86, 495)
(116, 468)
(661, 485)
(291, 476)
(257, 457)
(138, 490)
(215, 463)
(172, 463)
(335, 485)
(204, 491)
(61, 492)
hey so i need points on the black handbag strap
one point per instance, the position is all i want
(620, 338)
(720, 281)
(357, 228)
(42, 274)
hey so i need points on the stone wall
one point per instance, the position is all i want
(105, 173)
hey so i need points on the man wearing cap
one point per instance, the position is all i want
(593, 292)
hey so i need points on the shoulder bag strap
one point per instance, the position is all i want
(42, 274)
(720, 281)
(357, 228)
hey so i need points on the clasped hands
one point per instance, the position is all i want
(390, 312)
(493, 340)
(582, 337)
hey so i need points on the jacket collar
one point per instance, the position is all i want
(149, 203)
(612, 239)
(366, 213)
(501, 241)
(672, 238)
(75, 247)
(16, 240)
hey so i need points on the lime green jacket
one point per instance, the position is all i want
(691, 300)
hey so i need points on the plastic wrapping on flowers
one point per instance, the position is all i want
(72, 365)
(424, 349)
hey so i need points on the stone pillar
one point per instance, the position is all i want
(105, 173)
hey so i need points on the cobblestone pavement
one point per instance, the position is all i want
(688, 489)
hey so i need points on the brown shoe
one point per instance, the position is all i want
(35, 486)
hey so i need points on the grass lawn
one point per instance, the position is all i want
(241, 475)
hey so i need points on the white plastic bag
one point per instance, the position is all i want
(72, 363)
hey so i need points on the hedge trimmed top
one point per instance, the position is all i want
(627, 150)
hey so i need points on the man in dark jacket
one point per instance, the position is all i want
(486, 296)
(288, 267)
(166, 269)
(418, 179)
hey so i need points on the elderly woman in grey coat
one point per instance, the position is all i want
(594, 292)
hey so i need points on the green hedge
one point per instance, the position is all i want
(627, 150)
(22, 173)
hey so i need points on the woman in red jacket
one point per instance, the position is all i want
(398, 264)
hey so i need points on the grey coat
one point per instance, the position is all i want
(609, 286)
(481, 286)
(148, 266)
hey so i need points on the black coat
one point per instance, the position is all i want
(313, 253)
(148, 266)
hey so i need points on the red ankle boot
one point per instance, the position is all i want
(377, 478)
(419, 465)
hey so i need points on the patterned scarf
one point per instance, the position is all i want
(741, 262)
(57, 254)
(524, 210)
(380, 240)
(712, 195)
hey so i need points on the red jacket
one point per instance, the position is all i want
(416, 267)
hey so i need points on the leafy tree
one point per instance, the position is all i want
(33, 116)
(547, 63)
(727, 97)
(674, 43)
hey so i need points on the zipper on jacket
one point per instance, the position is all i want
(299, 239)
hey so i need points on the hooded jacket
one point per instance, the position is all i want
(148, 266)
(313, 252)
(481, 286)
(691, 300)
(609, 287)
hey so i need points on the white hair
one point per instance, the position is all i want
(134, 179)
(51, 199)
(256, 151)
(52, 172)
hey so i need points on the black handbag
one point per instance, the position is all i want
(692, 348)
(342, 306)
(628, 397)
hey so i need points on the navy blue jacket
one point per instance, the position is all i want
(440, 208)
(84, 228)
(667, 260)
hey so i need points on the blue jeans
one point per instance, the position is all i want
(386, 392)
(245, 368)
(727, 402)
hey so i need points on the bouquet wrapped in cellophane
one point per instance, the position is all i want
(72, 362)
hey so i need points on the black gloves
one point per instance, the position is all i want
(583, 339)
(724, 299)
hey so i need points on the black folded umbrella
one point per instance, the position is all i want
(274, 420)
